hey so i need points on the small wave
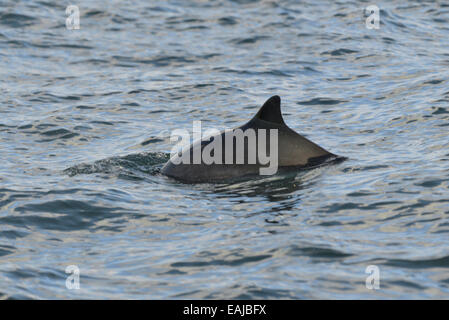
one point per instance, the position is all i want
(258, 292)
(320, 101)
(227, 21)
(442, 262)
(82, 216)
(16, 20)
(339, 52)
(151, 140)
(159, 61)
(250, 40)
(245, 1)
(57, 134)
(6, 250)
(133, 166)
(221, 262)
(318, 252)
(277, 73)
(93, 13)
(440, 110)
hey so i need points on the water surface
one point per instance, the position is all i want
(85, 123)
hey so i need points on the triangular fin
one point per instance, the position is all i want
(271, 111)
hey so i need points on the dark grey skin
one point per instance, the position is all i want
(294, 151)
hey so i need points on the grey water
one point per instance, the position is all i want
(85, 122)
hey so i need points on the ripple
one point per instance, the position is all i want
(162, 61)
(431, 183)
(16, 20)
(151, 140)
(320, 101)
(339, 52)
(440, 110)
(257, 292)
(12, 234)
(228, 21)
(442, 262)
(437, 81)
(219, 262)
(317, 252)
(56, 132)
(6, 250)
(250, 40)
(67, 215)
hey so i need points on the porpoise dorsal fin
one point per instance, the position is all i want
(271, 111)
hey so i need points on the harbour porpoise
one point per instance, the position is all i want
(262, 146)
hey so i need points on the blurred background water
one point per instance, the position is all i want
(85, 123)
